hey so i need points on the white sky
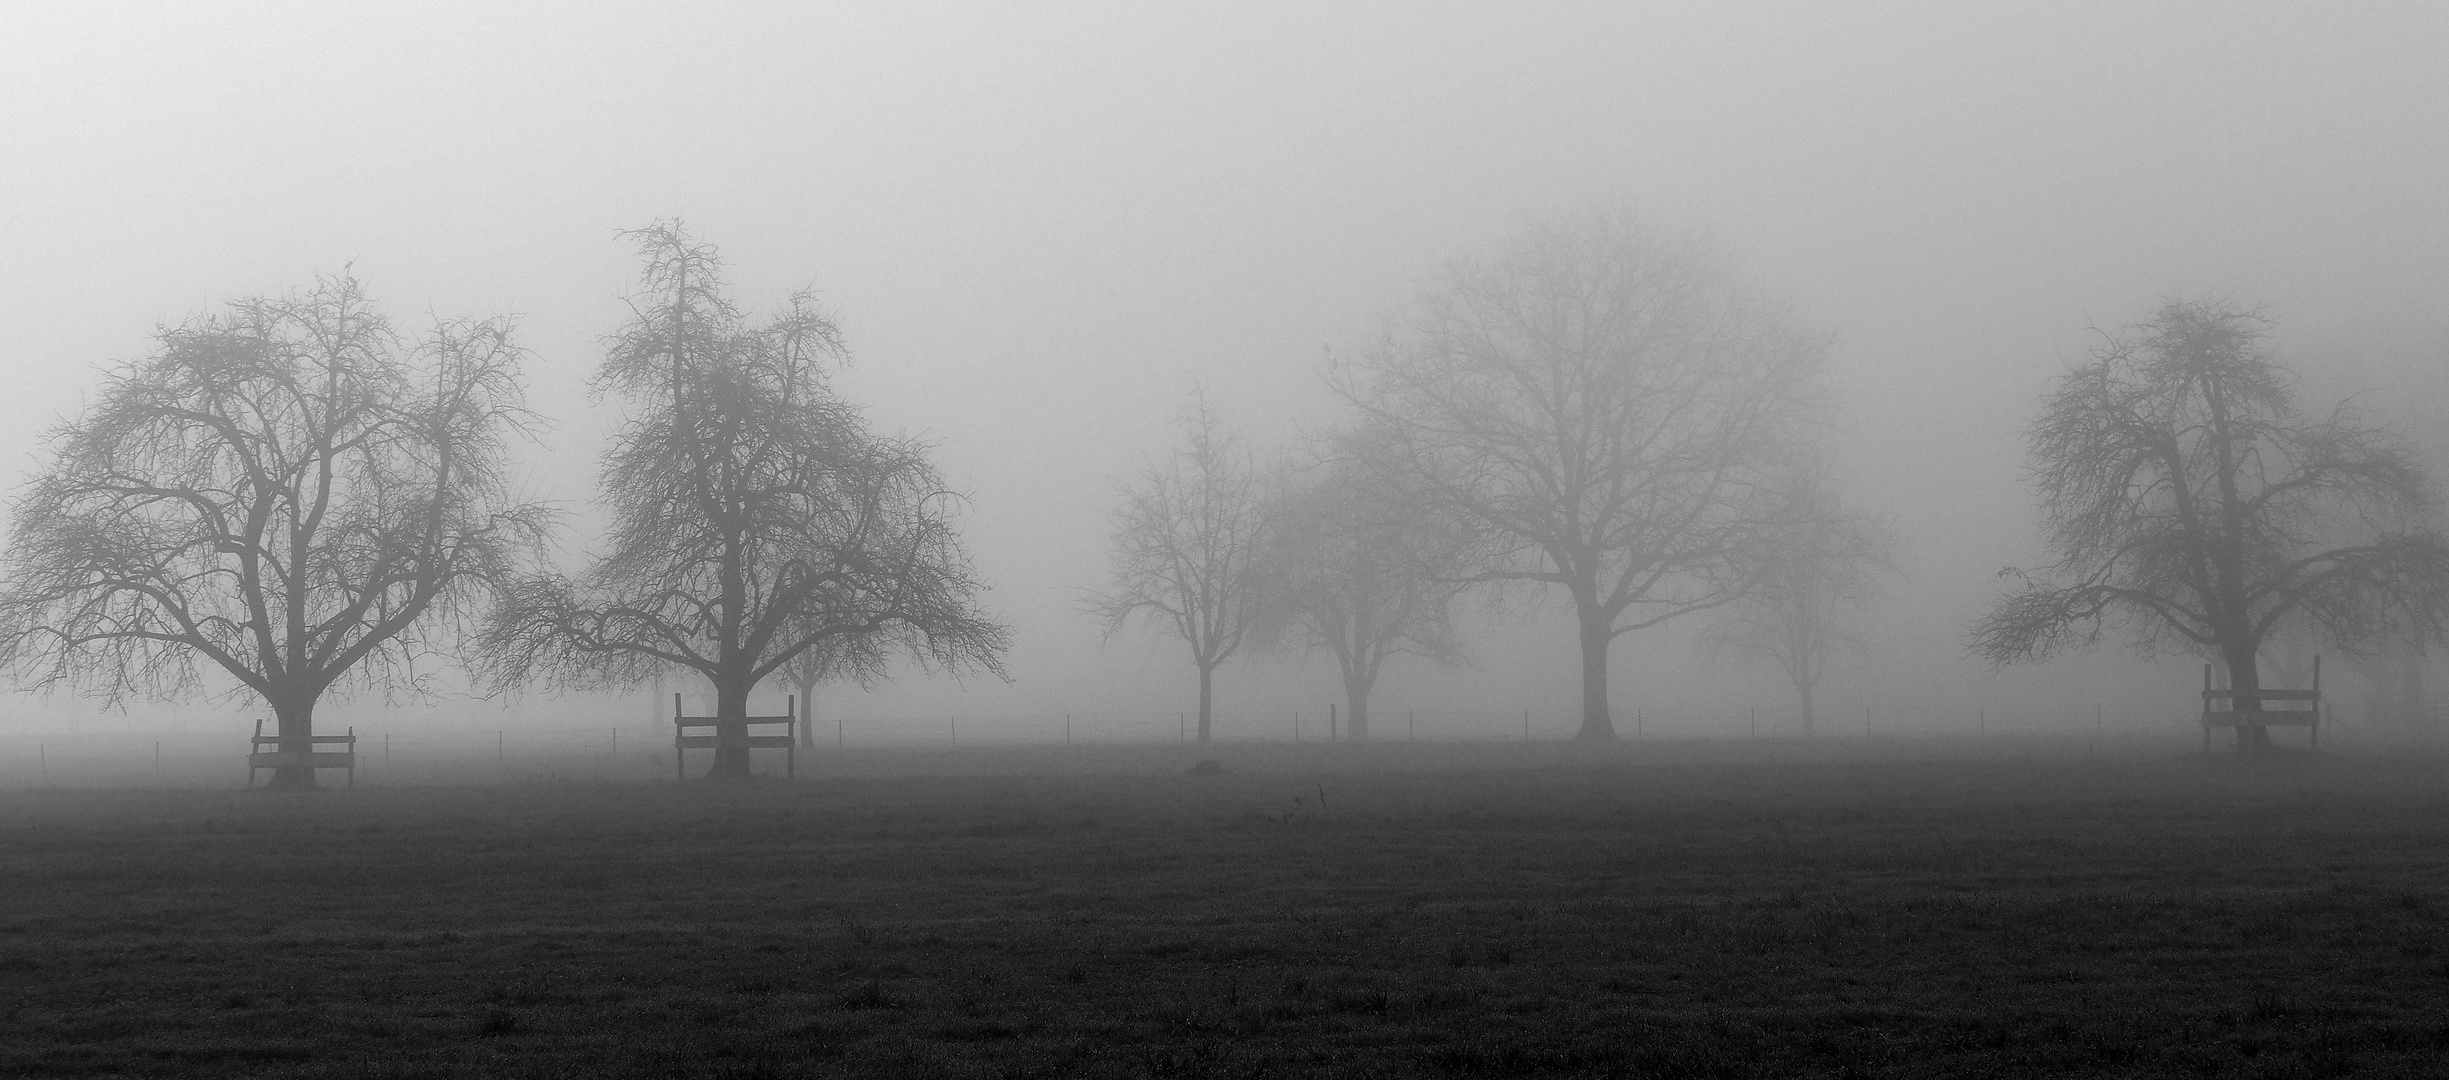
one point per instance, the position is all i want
(1037, 225)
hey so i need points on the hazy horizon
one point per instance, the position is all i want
(1037, 228)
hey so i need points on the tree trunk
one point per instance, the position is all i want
(1356, 709)
(731, 714)
(1804, 689)
(1207, 697)
(807, 715)
(1598, 725)
(295, 720)
(2252, 740)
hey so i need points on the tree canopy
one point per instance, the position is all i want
(2186, 497)
(1185, 545)
(1826, 565)
(283, 493)
(1609, 406)
(1352, 567)
(755, 516)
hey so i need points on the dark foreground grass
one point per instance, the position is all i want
(1638, 918)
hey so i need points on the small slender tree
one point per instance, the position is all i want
(1826, 565)
(1185, 545)
(2186, 496)
(830, 659)
(283, 493)
(1609, 407)
(1352, 567)
(754, 515)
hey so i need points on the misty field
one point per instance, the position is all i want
(1756, 910)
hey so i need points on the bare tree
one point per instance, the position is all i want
(754, 515)
(1608, 406)
(1826, 564)
(830, 659)
(1351, 567)
(2184, 493)
(1184, 547)
(282, 491)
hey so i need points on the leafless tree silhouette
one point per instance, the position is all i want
(2184, 492)
(1608, 405)
(1828, 563)
(855, 658)
(282, 491)
(754, 515)
(1184, 548)
(1352, 567)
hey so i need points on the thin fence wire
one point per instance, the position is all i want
(428, 753)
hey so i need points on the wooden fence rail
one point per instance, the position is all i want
(2226, 708)
(744, 738)
(312, 758)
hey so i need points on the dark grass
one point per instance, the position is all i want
(1737, 917)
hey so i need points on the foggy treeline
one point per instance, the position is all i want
(292, 496)
(1499, 363)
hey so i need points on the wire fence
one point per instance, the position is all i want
(419, 753)
(189, 758)
(1639, 723)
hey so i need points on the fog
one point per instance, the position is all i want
(1038, 229)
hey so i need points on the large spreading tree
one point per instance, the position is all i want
(284, 493)
(754, 515)
(1609, 407)
(2185, 495)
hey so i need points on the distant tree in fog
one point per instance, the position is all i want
(1825, 565)
(830, 659)
(283, 491)
(1351, 566)
(2185, 494)
(1184, 548)
(1607, 406)
(755, 517)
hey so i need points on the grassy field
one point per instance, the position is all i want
(1761, 910)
